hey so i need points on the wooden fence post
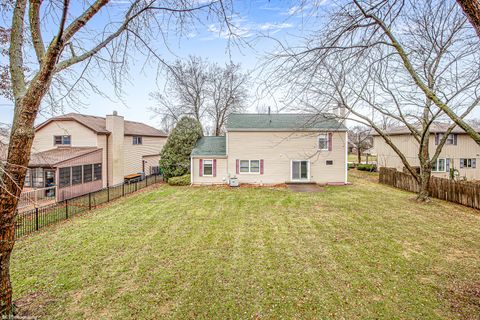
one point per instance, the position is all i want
(123, 189)
(66, 209)
(108, 194)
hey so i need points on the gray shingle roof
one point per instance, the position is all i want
(98, 124)
(52, 157)
(435, 127)
(283, 122)
(210, 146)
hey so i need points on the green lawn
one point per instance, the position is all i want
(364, 251)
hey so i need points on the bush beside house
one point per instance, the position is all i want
(175, 155)
(180, 181)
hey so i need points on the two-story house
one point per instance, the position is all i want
(459, 153)
(273, 149)
(80, 153)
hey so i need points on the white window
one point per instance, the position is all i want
(451, 139)
(468, 163)
(244, 166)
(137, 140)
(439, 165)
(254, 166)
(62, 140)
(207, 167)
(249, 166)
(323, 141)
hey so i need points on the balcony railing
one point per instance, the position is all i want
(37, 197)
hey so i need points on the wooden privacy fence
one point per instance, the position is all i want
(463, 192)
(33, 220)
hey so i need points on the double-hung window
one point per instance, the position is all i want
(62, 140)
(208, 167)
(137, 140)
(249, 166)
(439, 165)
(323, 141)
(451, 138)
(468, 163)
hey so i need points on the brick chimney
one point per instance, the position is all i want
(115, 124)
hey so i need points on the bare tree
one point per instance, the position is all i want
(357, 65)
(202, 90)
(359, 26)
(79, 48)
(472, 11)
(227, 94)
(360, 138)
(185, 91)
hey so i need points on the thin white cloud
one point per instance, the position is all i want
(242, 28)
(274, 26)
(300, 10)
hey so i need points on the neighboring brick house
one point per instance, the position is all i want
(460, 152)
(273, 149)
(81, 153)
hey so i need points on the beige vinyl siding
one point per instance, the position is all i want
(133, 154)
(278, 149)
(151, 161)
(102, 143)
(81, 136)
(465, 148)
(221, 177)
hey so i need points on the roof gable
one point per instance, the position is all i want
(283, 122)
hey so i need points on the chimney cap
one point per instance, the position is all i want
(115, 113)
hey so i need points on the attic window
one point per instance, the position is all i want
(62, 140)
(137, 140)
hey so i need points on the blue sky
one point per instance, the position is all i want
(254, 18)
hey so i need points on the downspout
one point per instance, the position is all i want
(346, 157)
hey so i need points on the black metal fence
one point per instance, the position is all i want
(35, 219)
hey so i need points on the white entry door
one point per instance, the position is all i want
(300, 170)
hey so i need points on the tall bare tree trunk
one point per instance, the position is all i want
(359, 155)
(425, 174)
(27, 103)
(425, 164)
(13, 178)
(472, 11)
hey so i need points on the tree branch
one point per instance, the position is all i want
(15, 51)
(34, 17)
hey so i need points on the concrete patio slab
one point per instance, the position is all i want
(305, 187)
